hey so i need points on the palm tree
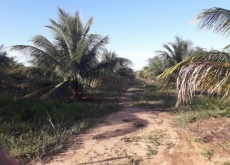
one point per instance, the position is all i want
(71, 60)
(156, 65)
(205, 71)
(176, 51)
(6, 63)
(121, 72)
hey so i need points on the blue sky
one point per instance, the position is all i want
(136, 28)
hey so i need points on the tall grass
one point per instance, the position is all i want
(32, 130)
(202, 108)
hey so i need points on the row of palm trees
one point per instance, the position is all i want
(195, 69)
(173, 53)
(73, 60)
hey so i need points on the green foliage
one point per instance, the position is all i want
(98, 136)
(216, 19)
(32, 130)
(226, 163)
(152, 152)
(150, 97)
(204, 71)
(138, 124)
(173, 53)
(206, 153)
(202, 108)
(72, 60)
(154, 139)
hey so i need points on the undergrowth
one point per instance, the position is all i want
(33, 130)
(201, 108)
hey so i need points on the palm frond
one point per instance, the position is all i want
(199, 56)
(217, 19)
(208, 77)
(59, 91)
(38, 93)
(6, 78)
(95, 45)
(38, 55)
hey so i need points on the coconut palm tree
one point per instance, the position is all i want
(176, 51)
(6, 64)
(122, 73)
(205, 71)
(71, 60)
(156, 65)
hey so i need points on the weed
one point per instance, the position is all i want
(179, 122)
(206, 153)
(132, 161)
(138, 124)
(32, 130)
(126, 120)
(99, 136)
(194, 139)
(202, 108)
(152, 152)
(226, 163)
(136, 138)
(153, 139)
(126, 139)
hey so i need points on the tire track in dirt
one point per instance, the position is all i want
(116, 140)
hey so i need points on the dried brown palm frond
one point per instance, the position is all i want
(208, 77)
(200, 55)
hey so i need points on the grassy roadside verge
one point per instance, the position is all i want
(201, 108)
(33, 130)
(149, 97)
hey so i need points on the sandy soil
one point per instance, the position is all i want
(136, 136)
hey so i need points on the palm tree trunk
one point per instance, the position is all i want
(76, 88)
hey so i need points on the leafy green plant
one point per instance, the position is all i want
(194, 139)
(32, 130)
(203, 107)
(226, 163)
(153, 139)
(206, 153)
(138, 124)
(99, 136)
(152, 152)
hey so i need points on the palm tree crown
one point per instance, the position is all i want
(72, 59)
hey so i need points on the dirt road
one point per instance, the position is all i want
(136, 136)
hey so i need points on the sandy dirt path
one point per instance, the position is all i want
(136, 136)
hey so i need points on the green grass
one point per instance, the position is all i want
(138, 124)
(33, 130)
(98, 136)
(110, 95)
(202, 108)
(152, 152)
(226, 163)
(194, 139)
(150, 97)
(136, 138)
(206, 153)
(153, 139)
